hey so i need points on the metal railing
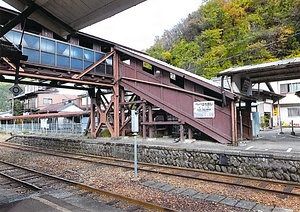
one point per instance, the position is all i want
(52, 128)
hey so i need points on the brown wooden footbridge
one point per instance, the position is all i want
(123, 79)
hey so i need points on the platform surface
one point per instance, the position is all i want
(269, 141)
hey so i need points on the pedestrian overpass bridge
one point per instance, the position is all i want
(118, 79)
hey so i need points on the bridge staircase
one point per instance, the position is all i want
(174, 91)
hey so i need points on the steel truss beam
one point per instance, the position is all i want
(88, 69)
(62, 76)
(14, 22)
(101, 108)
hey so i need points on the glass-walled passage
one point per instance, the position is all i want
(50, 52)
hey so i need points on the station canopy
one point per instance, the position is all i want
(67, 16)
(287, 69)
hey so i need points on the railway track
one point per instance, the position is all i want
(36, 181)
(281, 188)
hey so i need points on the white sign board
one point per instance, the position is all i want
(204, 109)
(44, 123)
(134, 121)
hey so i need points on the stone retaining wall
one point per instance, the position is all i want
(272, 166)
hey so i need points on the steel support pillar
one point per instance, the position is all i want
(144, 120)
(181, 130)
(92, 117)
(122, 110)
(234, 124)
(150, 117)
(116, 97)
(92, 121)
(190, 133)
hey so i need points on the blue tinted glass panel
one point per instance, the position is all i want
(89, 55)
(63, 49)
(10, 36)
(76, 52)
(63, 61)
(100, 69)
(87, 64)
(31, 41)
(14, 37)
(98, 56)
(76, 64)
(109, 61)
(33, 55)
(109, 70)
(47, 45)
(47, 58)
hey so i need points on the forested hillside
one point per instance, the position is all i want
(5, 96)
(227, 33)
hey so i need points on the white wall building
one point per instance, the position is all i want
(289, 105)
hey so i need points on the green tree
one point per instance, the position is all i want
(185, 55)
(5, 96)
(226, 33)
(18, 108)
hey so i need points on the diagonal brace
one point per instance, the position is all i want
(76, 76)
(14, 22)
(11, 64)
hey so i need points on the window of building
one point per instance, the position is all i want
(47, 45)
(147, 67)
(31, 41)
(62, 54)
(289, 88)
(177, 80)
(295, 111)
(66, 101)
(47, 101)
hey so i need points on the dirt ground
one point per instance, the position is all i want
(4, 136)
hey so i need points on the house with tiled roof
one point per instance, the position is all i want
(62, 123)
(36, 98)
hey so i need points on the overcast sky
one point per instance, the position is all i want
(138, 26)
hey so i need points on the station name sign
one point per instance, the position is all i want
(205, 109)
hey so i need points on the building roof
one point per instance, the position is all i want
(34, 94)
(268, 72)
(55, 108)
(172, 69)
(47, 115)
(6, 114)
(267, 94)
(64, 16)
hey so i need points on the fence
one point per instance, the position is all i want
(53, 128)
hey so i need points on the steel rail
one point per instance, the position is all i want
(193, 175)
(29, 185)
(93, 189)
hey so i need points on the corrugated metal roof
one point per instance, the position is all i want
(47, 115)
(268, 72)
(74, 13)
(57, 107)
(179, 70)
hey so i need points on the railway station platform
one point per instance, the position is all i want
(274, 140)
(268, 141)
